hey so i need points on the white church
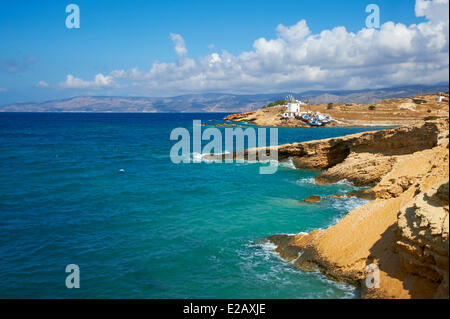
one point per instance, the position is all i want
(292, 107)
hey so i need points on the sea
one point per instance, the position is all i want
(100, 191)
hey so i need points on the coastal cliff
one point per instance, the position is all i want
(403, 230)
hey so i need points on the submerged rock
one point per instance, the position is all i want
(312, 199)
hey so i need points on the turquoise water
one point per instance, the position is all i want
(100, 191)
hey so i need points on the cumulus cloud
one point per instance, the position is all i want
(99, 81)
(436, 10)
(180, 46)
(394, 54)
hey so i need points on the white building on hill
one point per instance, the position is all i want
(292, 107)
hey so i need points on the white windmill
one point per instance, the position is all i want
(292, 107)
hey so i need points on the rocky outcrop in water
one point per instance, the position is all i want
(362, 158)
(311, 199)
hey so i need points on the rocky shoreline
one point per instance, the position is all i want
(403, 230)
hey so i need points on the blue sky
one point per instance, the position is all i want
(36, 46)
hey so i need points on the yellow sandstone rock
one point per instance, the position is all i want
(404, 231)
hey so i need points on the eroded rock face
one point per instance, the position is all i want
(363, 157)
(423, 243)
(403, 231)
(362, 169)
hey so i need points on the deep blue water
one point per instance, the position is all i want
(100, 191)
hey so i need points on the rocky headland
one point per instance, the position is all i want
(403, 229)
(387, 112)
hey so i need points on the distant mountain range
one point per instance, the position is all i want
(214, 102)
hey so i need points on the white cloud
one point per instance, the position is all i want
(42, 84)
(297, 32)
(436, 11)
(100, 81)
(180, 46)
(3, 89)
(297, 59)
